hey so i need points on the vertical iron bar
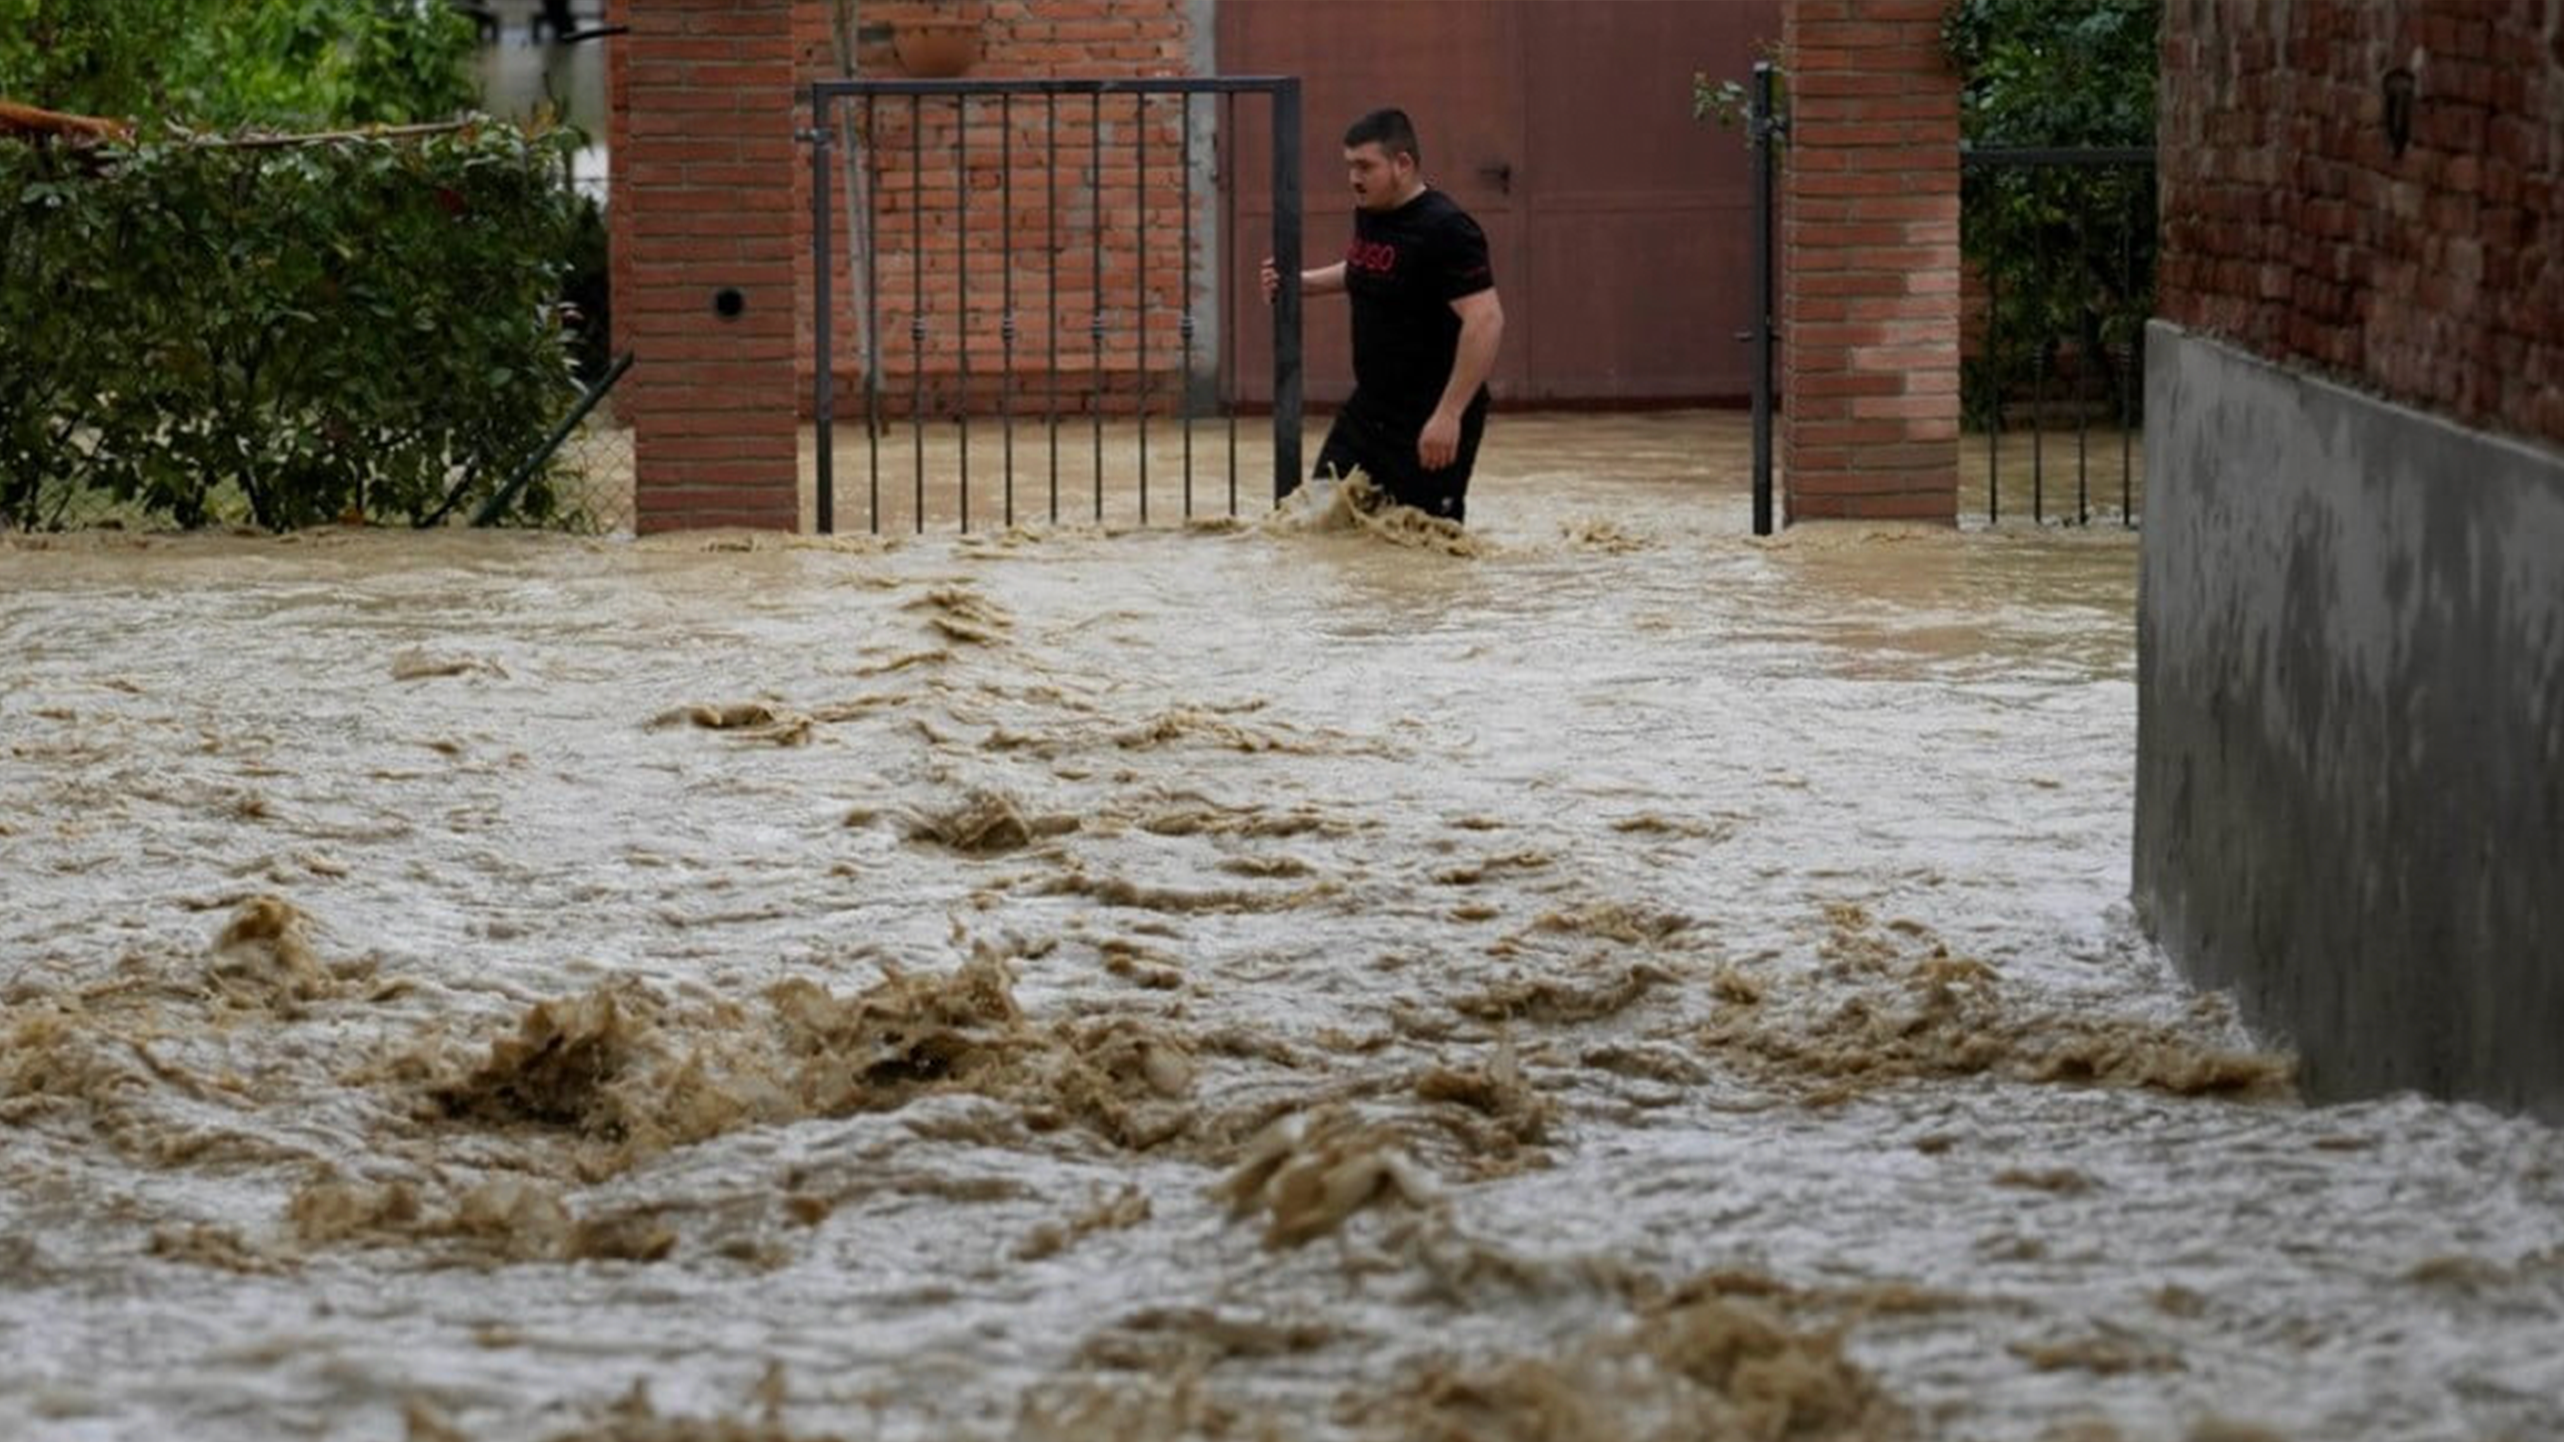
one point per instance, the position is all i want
(2039, 365)
(2128, 366)
(1050, 239)
(917, 299)
(873, 348)
(1006, 206)
(1095, 315)
(1230, 333)
(1995, 371)
(1287, 379)
(2082, 362)
(1758, 123)
(961, 285)
(823, 305)
(1184, 382)
(1140, 197)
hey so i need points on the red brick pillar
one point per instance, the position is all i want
(701, 173)
(1870, 260)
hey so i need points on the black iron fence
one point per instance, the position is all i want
(2058, 247)
(1045, 253)
(2060, 250)
(1764, 129)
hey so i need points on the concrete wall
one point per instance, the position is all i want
(2350, 780)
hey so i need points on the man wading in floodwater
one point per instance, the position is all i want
(1426, 323)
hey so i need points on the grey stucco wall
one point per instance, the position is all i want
(2350, 726)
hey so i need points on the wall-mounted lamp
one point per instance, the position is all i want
(2398, 86)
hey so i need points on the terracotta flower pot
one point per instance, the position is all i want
(936, 46)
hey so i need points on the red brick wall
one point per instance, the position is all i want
(2292, 228)
(702, 138)
(1110, 205)
(1870, 236)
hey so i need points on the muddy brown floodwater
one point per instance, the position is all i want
(1605, 979)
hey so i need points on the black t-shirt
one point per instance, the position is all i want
(1402, 272)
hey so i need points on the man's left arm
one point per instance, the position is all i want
(1482, 330)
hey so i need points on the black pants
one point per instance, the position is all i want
(1386, 452)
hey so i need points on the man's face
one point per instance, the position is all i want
(1379, 179)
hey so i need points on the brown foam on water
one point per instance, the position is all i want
(2103, 1354)
(2223, 1429)
(1140, 964)
(633, 1418)
(417, 665)
(623, 1074)
(1127, 1078)
(902, 661)
(95, 1054)
(1176, 727)
(1554, 1000)
(263, 958)
(1156, 1390)
(1644, 1062)
(1203, 726)
(204, 1245)
(2062, 1181)
(1179, 1340)
(595, 1065)
(502, 1217)
(1616, 921)
(2206, 1429)
(724, 540)
(1485, 868)
(1309, 1170)
(1496, 1089)
(1893, 1005)
(1357, 505)
(1267, 868)
(1125, 1209)
(964, 615)
(335, 1210)
(1122, 891)
(742, 720)
(1198, 818)
(1601, 533)
(986, 822)
(988, 545)
(1702, 1363)
(1653, 823)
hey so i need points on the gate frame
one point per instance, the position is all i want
(1288, 382)
(1998, 159)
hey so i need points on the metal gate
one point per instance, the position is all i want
(1081, 325)
(2063, 242)
(2064, 239)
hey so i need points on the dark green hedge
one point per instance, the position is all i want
(214, 64)
(194, 333)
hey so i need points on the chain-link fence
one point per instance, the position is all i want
(57, 503)
(585, 487)
(590, 483)
(594, 478)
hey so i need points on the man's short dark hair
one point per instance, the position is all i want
(1391, 130)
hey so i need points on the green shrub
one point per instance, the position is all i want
(284, 335)
(219, 64)
(2068, 253)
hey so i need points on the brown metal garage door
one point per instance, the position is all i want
(1618, 223)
